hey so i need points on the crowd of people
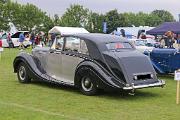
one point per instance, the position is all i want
(169, 40)
(34, 39)
(41, 39)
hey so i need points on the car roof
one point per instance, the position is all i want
(99, 38)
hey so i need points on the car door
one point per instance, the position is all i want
(70, 58)
(54, 60)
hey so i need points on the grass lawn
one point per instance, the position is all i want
(42, 101)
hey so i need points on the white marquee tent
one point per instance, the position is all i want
(67, 30)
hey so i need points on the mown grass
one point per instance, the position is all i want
(43, 101)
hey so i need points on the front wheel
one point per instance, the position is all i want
(22, 74)
(88, 86)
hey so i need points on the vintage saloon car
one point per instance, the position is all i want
(90, 62)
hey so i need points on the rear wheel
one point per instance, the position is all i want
(88, 85)
(22, 73)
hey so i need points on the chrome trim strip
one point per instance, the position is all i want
(160, 83)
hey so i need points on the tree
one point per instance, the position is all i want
(3, 1)
(31, 17)
(113, 20)
(56, 19)
(129, 19)
(95, 22)
(164, 15)
(153, 20)
(75, 16)
(25, 17)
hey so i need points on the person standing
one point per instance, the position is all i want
(9, 40)
(32, 39)
(49, 40)
(21, 40)
(178, 41)
(162, 42)
(37, 39)
(42, 39)
(169, 39)
(53, 37)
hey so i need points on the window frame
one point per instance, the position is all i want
(63, 39)
(79, 51)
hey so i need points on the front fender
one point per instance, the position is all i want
(104, 76)
(29, 62)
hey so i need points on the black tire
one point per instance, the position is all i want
(22, 73)
(87, 84)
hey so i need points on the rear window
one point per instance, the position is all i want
(118, 45)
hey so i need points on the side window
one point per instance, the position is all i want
(72, 44)
(59, 42)
(83, 48)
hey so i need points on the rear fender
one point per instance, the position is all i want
(104, 77)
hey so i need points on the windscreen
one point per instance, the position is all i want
(140, 43)
(118, 45)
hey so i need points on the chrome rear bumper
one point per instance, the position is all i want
(160, 83)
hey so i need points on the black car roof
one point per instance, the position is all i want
(98, 38)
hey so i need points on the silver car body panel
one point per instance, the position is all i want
(69, 64)
(59, 66)
(54, 65)
(62, 67)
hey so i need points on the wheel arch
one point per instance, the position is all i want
(17, 61)
(103, 77)
(30, 63)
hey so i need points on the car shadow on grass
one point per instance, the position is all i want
(126, 96)
(102, 94)
(55, 86)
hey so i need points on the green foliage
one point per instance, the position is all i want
(28, 17)
(113, 20)
(75, 16)
(3, 1)
(95, 22)
(153, 20)
(25, 17)
(164, 15)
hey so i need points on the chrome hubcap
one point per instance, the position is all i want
(22, 73)
(86, 84)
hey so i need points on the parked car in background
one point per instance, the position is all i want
(143, 44)
(15, 39)
(165, 60)
(89, 62)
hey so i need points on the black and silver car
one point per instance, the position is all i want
(90, 62)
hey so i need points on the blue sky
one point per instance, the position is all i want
(102, 6)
